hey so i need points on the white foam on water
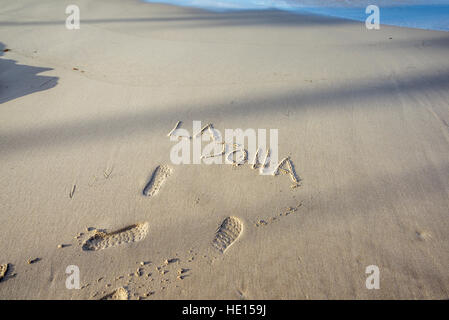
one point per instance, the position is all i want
(422, 14)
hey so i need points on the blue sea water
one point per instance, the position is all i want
(422, 14)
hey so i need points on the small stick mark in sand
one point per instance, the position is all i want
(160, 174)
(182, 271)
(107, 173)
(170, 261)
(228, 232)
(241, 295)
(31, 261)
(423, 235)
(72, 191)
(101, 240)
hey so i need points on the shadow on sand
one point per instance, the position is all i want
(203, 18)
(20, 80)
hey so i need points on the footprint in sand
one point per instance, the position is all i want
(229, 230)
(119, 294)
(102, 240)
(157, 179)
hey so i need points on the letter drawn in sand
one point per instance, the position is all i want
(232, 156)
(290, 170)
(213, 151)
(184, 134)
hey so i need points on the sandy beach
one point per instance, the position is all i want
(84, 116)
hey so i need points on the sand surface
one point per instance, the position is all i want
(84, 117)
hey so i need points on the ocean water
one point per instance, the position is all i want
(421, 14)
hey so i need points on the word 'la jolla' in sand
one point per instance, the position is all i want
(217, 148)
